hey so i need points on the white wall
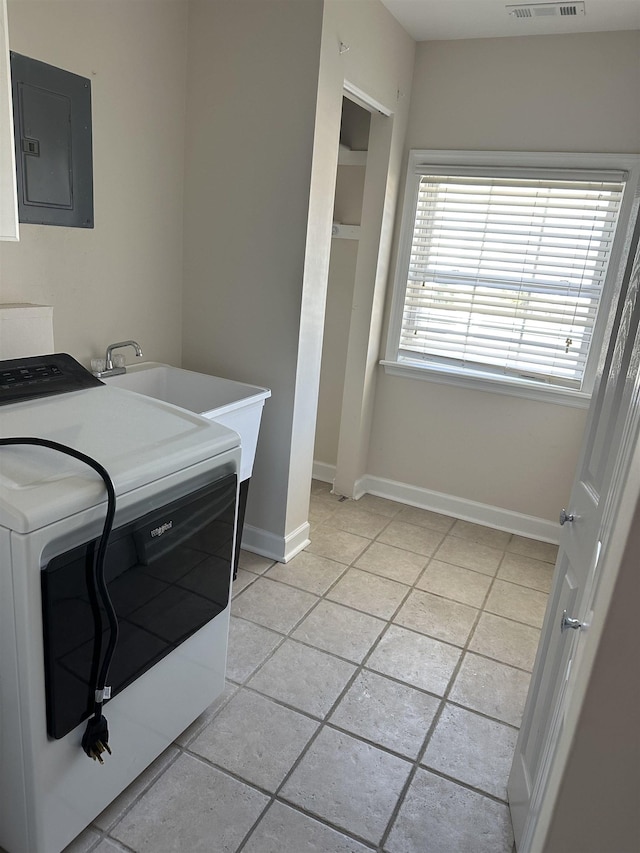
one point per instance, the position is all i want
(536, 93)
(378, 63)
(252, 84)
(264, 91)
(342, 270)
(253, 121)
(540, 93)
(337, 322)
(265, 87)
(123, 278)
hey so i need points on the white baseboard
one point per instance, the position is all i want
(283, 549)
(486, 514)
(323, 471)
(280, 548)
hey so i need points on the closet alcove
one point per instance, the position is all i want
(347, 211)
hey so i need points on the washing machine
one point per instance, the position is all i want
(167, 567)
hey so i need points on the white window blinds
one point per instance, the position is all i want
(506, 272)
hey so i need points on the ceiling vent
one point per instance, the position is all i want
(546, 10)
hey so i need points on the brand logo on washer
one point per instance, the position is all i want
(158, 531)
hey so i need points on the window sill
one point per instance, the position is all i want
(511, 387)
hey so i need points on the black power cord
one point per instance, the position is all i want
(95, 740)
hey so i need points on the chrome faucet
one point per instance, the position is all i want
(109, 369)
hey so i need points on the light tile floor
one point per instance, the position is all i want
(375, 688)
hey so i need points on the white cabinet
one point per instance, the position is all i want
(8, 195)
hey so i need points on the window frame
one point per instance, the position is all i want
(419, 162)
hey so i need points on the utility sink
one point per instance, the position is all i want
(230, 403)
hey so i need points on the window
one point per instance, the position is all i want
(505, 271)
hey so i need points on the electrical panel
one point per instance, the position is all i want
(53, 141)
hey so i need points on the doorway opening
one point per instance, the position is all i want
(357, 279)
(355, 128)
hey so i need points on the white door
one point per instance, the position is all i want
(589, 523)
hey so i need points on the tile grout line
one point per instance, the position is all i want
(180, 750)
(324, 723)
(359, 668)
(436, 719)
(326, 720)
(105, 833)
(481, 610)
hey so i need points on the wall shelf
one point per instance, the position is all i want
(347, 157)
(345, 232)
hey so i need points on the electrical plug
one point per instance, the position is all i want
(95, 740)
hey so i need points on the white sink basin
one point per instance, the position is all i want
(233, 404)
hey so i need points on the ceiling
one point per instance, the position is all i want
(429, 20)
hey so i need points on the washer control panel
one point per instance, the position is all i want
(41, 376)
